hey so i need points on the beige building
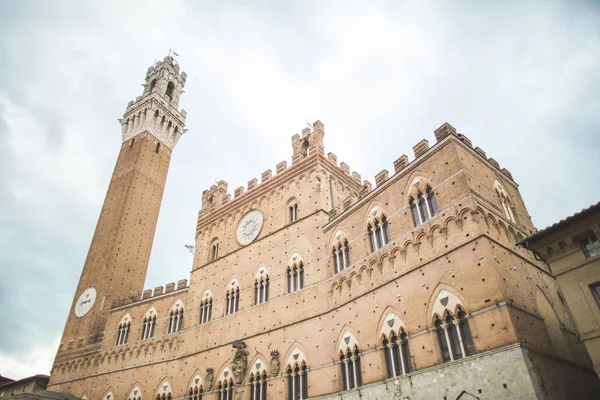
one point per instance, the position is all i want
(572, 251)
(312, 283)
(9, 388)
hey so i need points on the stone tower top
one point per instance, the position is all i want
(155, 111)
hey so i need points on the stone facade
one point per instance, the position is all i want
(572, 251)
(463, 259)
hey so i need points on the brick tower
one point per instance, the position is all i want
(117, 261)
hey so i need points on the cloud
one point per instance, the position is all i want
(519, 79)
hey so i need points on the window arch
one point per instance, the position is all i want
(423, 204)
(148, 324)
(293, 212)
(123, 330)
(351, 369)
(135, 394)
(297, 381)
(164, 391)
(206, 308)
(397, 354)
(170, 89)
(232, 298)
(258, 381)
(340, 253)
(176, 317)
(505, 201)
(378, 229)
(454, 336)
(295, 277)
(261, 286)
(196, 389)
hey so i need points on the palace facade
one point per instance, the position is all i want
(312, 283)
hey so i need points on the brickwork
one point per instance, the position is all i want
(466, 250)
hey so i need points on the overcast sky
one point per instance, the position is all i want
(520, 79)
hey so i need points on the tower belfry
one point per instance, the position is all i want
(117, 261)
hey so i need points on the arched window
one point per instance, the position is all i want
(293, 209)
(136, 394)
(261, 289)
(505, 201)
(214, 250)
(176, 318)
(297, 382)
(170, 89)
(123, 330)
(423, 206)
(379, 233)
(152, 85)
(164, 391)
(295, 277)
(397, 354)
(195, 393)
(148, 325)
(225, 389)
(341, 256)
(206, 309)
(454, 336)
(258, 386)
(232, 298)
(351, 370)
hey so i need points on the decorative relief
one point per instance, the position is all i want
(240, 362)
(210, 378)
(275, 365)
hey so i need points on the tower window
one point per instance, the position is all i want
(215, 251)
(152, 85)
(170, 89)
(295, 277)
(424, 206)
(294, 212)
(123, 332)
(148, 327)
(206, 310)
(341, 256)
(505, 200)
(175, 320)
(379, 233)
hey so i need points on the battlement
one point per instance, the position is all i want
(150, 293)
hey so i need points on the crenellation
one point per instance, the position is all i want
(345, 167)
(356, 176)
(381, 177)
(282, 166)
(252, 183)
(420, 148)
(157, 291)
(332, 157)
(146, 294)
(507, 173)
(169, 287)
(182, 284)
(465, 140)
(480, 151)
(400, 163)
(265, 176)
(445, 130)
(494, 163)
(238, 192)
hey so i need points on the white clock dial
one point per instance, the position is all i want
(249, 227)
(85, 302)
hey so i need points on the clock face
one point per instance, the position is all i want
(249, 227)
(85, 302)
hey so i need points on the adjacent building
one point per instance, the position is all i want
(571, 250)
(312, 283)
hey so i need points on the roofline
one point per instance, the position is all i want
(560, 224)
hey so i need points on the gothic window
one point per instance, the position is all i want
(214, 251)
(148, 326)
(454, 336)
(351, 371)
(261, 289)
(295, 277)
(233, 300)
(136, 394)
(423, 206)
(341, 256)
(206, 310)
(258, 386)
(195, 393)
(379, 233)
(170, 89)
(123, 330)
(225, 389)
(297, 382)
(164, 396)
(505, 200)
(590, 245)
(152, 85)
(397, 354)
(293, 208)
(176, 318)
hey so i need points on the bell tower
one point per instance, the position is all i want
(117, 261)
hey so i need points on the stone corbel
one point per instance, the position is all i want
(416, 246)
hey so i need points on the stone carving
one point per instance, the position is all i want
(274, 362)
(208, 381)
(240, 362)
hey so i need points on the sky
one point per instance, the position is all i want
(519, 78)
